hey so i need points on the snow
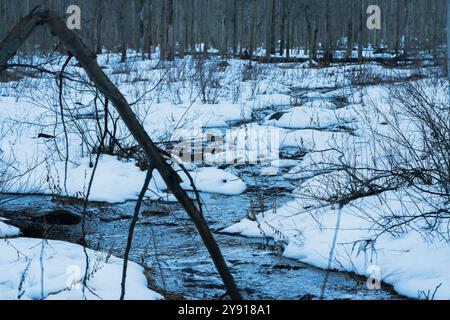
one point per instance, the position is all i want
(63, 267)
(311, 139)
(224, 182)
(307, 117)
(37, 168)
(7, 230)
(195, 114)
(118, 181)
(209, 180)
(247, 144)
(320, 104)
(412, 264)
(284, 163)
(276, 166)
(269, 171)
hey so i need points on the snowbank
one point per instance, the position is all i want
(57, 276)
(118, 181)
(312, 140)
(209, 180)
(416, 267)
(7, 230)
(323, 104)
(307, 118)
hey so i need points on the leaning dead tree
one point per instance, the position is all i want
(87, 59)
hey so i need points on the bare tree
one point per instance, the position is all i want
(300, 25)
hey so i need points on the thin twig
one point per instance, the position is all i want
(137, 210)
(85, 204)
(330, 258)
(61, 107)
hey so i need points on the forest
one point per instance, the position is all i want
(216, 150)
(259, 27)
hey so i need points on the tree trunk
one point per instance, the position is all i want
(224, 31)
(205, 28)
(170, 31)
(98, 28)
(185, 29)
(252, 32)
(147, 30)
(163, 33)
(234, 36)
(283, 27)
(270, 14)
(122, 31)
(360, 32)
(327, 56)
(140, 47)
(349, 51)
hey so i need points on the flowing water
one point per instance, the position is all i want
(166, 242)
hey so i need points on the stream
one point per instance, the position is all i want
(167, 244)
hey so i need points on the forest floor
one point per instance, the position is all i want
(271, 143)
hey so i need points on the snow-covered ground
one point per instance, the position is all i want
(273, 107)
(7, 230)
(34, 269)
(415, 266)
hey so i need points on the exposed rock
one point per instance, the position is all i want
(61, 217)
(34, 225)
(277, 116)
(45, 136)
(28, 229)
(154, 213)
(308, 297)
(113, 219)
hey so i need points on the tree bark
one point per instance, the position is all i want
(205, 24)
(122, 32)
(349, 51)
(283, 27)
(141, 40)
(163, 33)
(360, 32)
(170, 31)
(270, 28)
(234, 36)
(98, 26)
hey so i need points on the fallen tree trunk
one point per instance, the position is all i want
(88, 61)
